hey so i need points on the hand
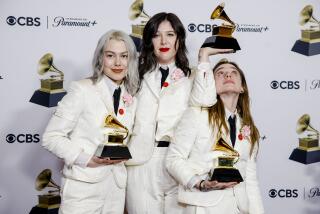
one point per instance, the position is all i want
(204, 53)
(215, 185)
(96, 161)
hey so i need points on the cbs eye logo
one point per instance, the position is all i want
(23, 138)
(23, 21)
(285, 84)
(202, 28)
(283, 193)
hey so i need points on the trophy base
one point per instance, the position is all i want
(113, 152)
(226, 175)
(306, 48)
(305, 157)
(39, 210)
(221, 42)
(46, 99)
(137, 42)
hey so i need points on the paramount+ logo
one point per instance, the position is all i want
(283, 193)
(23, 21)
(23, 138)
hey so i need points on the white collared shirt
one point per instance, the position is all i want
(158, 75)
(111, 84)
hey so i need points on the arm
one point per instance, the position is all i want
(252, 185)
(183, 140)
(56, 137)
(204, 91)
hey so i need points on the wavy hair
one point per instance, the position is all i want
(131, 81)
(147, 59)
(217, 113)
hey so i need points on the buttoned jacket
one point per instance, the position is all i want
(77, 126)
(158, 113)
(191, 154)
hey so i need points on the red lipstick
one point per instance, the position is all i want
(164, 49)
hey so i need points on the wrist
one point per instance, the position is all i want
(202, 186)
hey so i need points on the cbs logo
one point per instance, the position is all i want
(200, 27)
(23, 138)
(23, 21)
(285, 84)
(283, 193)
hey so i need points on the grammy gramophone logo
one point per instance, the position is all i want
(136, 11)
(222, 35)
(309, 43)
(50, 201)
(308, 150)
(51, 91)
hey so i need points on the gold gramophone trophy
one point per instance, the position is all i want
(309, 44)
(114, 146)
(225, 172)
(308, 150)
(51, 91)
(49, 202)
(136, 11)
(222, 35)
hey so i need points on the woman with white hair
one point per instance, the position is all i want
(91, 184)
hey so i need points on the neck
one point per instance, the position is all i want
(230, 101)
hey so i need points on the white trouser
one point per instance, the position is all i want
(150, 188)
(79, 197)
(228, 205)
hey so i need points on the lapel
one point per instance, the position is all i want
(104, 94)
(123, 109)
(173, 84)
(151, 83)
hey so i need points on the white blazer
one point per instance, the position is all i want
(158, 113)
(190, 154)
(77, 126)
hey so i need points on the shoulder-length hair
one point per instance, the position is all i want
(132, 78)
(147, 59)
(217, 113)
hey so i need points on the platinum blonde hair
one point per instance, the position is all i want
(132, 78)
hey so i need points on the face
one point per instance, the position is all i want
(164, 43)
(115, 63)
(228, 79)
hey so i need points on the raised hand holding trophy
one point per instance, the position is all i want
(308, 150)
(225, 172)
(51, 91)
(49, 202)
(114, 146)
(222, 35)
(136, 11)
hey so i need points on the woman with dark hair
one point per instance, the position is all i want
(167, 83)
(192, 155)
(91, 184)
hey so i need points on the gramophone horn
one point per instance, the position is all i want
(223, 146)
(136, 10)
(44, 180)
(112, 122)
(219, 13)
(46, 64)
(306, 15)
(303, 124)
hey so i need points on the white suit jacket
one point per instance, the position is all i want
(158, 114)
(190, 154)
(76, 127)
